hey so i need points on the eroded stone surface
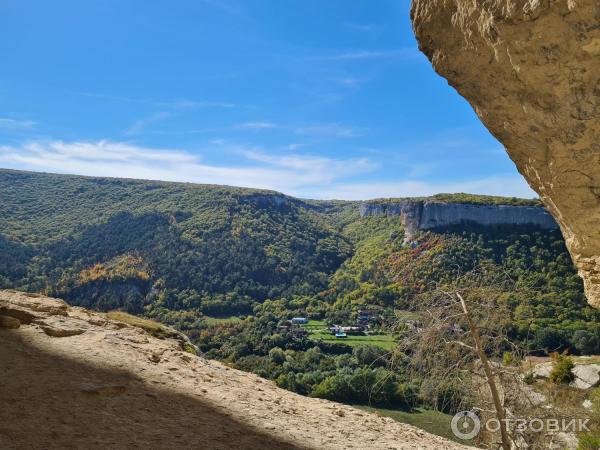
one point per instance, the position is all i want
(587, 376)
(531, 71)
(116, 386)
(9, 322)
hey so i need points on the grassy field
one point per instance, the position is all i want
(319, 332)
(434, 422)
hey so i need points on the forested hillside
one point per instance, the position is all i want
(182, 252)
(113, 243)
(231, 266)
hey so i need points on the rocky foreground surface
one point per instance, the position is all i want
(72, 379)
(530, 69)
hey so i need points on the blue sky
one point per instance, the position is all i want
(314, 98)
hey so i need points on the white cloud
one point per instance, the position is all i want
(291, 174)
(306, 176)
(14, 124)
(324, 170)
(56, 153)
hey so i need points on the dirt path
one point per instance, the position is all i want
(111, 386)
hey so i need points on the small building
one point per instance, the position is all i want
(351, 330)
(282, 329)
(299, 320)
(341, 335)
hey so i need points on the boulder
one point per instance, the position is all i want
(531, 71)
(543, 370)
(587, 376)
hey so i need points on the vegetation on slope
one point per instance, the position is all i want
(193, 256)
(111, 243)
(472, 199)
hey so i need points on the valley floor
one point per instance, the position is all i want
(72, 379)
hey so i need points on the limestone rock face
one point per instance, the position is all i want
(427, 214)
(531, 71)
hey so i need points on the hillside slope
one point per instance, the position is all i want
(74, 379)
(181, 253)
(113, 243)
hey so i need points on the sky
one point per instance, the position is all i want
(314, 98)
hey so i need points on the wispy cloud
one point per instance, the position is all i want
(258, 125)
(14, 124)
(302, 175)
(325, 169)
(172, 104)
(357, 55)
(368, 28)
(139, 125)
(294, 146)
(55, 153)
(293, 174)
(348, 81)
(329, 130)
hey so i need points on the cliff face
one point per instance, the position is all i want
(425, 215)
(531, 71)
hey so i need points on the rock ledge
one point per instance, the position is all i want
(111, 385)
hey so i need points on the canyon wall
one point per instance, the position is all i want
(426, 214)
(531, 71)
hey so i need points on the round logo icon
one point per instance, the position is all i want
(465, 425)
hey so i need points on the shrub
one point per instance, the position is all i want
(529, 378)
(589, 441)
(405, 395)
(332, 388)
(562, 372)
(277, 355)
(189, 348)
(508, 359)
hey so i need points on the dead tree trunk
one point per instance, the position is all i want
(489, 374)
